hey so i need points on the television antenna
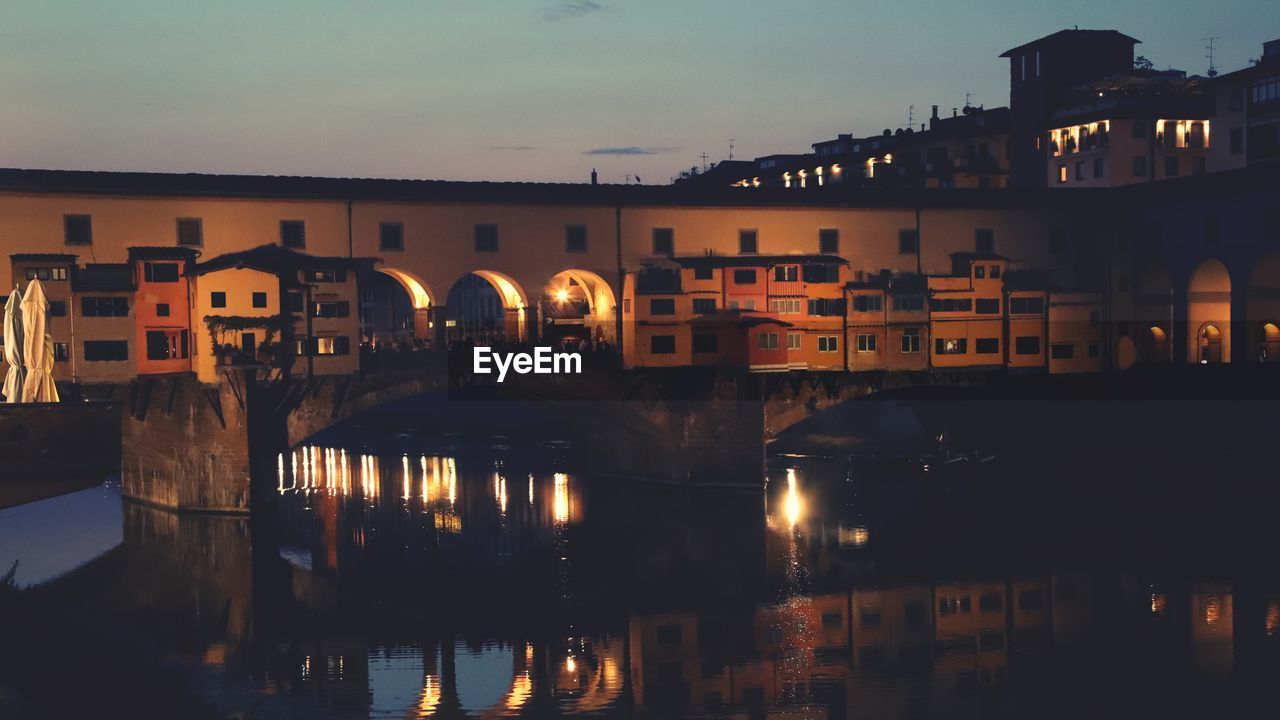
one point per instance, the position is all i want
(704, 161)
(1213, 71)
(911, 115)
(731, 140)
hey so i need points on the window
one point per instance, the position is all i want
(747, 242)
(767, 341)
(57, 308)
(1026, 345)
(1236, 140)
(984, 240)
(486, 238)
(160, 272)
(293, 233)
(986, 346)
(786, 273)
(1057, 240)
(190, 231)
(1171, 166)
(987, 306)
(98, 306)
(911, 340)
(294, 301)
(390, 236)
(785, 306)
(1098, 167)
(826, 307)
(703, 273)
(1094, 350)
(705, 342)
(908, 242)
(1079, 169)
(106, 350)
(77, 229)
(167, 344)
(744, 277)
(821, 273)
(867, 303)
(1235, 97)
(339, 345)
(664, 241)
(47, 273)
(1139, 165)
(1062, 351)
(979, 271)
(1139, 129)
(829, 241)
(950, 346)
(702, 306)
(1212, 229)
(991, 602)
(908, 303)
(662, 344)
(575, 238)
(866, 343)
(828, 343)
(326, 276)
(1265, 90)
(793, 341)
(1026, 305)
(339, 309)
(747, 304)
(61, 353)
(259, 299)
(662, 306)
(1062, 174)
(1095, 317)
(951, 305)
(162, 309)
(218, 299)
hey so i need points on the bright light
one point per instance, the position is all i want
(560, 503)
(570, 664)
(792, 504)
(562, 295)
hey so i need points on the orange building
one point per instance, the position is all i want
(162, 309)
(965, 313)
(765, 312)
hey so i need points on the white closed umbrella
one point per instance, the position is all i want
(13, 348)
(37, 346)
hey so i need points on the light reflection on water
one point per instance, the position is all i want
(377, 622)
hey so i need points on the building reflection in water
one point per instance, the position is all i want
(272, 622)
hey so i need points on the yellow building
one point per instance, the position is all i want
(54, 270)
(1075, 333)
(103, 323)
(276, 307)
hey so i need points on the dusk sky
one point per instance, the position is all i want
(507, 90)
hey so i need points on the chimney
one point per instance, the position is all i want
(935, 113)
(594, 178)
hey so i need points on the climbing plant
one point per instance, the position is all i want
(220, 326)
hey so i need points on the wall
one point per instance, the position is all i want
(239, 284)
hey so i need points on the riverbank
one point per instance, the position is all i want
(51, 449)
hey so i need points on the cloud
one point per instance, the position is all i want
(629, 150)
(573, 8)
(513, 148)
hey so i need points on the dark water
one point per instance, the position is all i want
(498, 582)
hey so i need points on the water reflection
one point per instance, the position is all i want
(427, 585)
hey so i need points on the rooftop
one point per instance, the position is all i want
(1073, 36)
(279, 261)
